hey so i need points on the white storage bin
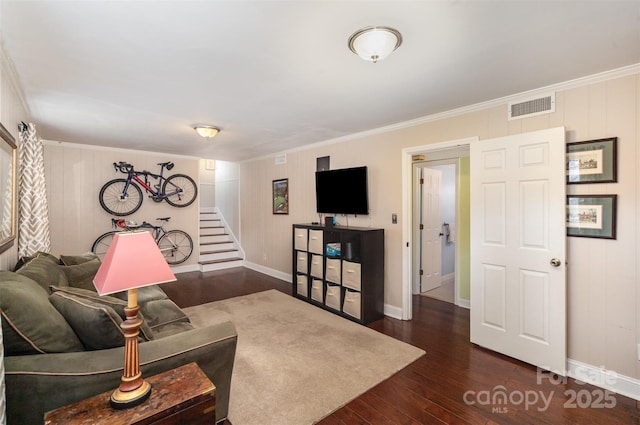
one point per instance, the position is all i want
(316, 266)
(316, 290)
(332, 270)
(351, 275)
(303, 287)
(300, 241)
(352, 302)
(315, 241)
(332, 297)
(301, 262)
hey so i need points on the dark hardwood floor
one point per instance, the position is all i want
(456, 382)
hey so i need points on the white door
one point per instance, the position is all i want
(518, 287)
(432, 230)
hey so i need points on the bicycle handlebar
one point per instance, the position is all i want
(123, 167)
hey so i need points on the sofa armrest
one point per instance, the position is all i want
(38, 383)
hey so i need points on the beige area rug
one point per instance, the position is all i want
(296, 363)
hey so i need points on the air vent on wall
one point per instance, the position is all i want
(542, 104)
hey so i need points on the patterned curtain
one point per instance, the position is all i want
(33, 211)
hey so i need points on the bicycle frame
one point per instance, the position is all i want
(156, 194)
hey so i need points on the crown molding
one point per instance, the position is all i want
(112, 149)
(567, 85)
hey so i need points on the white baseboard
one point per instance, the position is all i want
(463, 303)
(393, 311)
(447, 279)
(269, 271)
(603, 378)
(185, 269)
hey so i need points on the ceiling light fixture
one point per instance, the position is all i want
(207, 131)
(375, 43)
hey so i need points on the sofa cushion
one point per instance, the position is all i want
(81, 275)
(45, 270)
(96, 324)
(116, 304)
(145, 294)
(73, 260)
(30, 324)
(172, 329)
(162, 312)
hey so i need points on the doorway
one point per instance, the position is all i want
(435, 215)
(455, 150)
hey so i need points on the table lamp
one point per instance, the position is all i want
(133, 260)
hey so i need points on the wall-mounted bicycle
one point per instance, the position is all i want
(123, 196)
(175, 245)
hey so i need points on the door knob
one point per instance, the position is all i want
(555, 262)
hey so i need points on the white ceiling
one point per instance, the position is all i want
(276, 75)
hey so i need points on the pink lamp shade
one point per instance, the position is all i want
(132, 261)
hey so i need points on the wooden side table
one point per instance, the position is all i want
(180, 396)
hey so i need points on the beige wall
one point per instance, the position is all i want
(74, 176)
(603, 275)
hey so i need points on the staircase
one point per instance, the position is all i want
(218, 248)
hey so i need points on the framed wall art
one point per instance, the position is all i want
(281, 196)
(593, 161)
(591, 216)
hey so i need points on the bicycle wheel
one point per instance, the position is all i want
(113, 202)
(101, 245)
(176, 246)
(182, 190)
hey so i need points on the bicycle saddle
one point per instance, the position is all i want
(130, 224)
(163, 218)
(167, 165)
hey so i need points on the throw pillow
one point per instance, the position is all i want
(24, 260)
(145, 294)
(72, 260)
(30, 324)
(81, 275)
(116, 304)
(97, 325)
(44, 270)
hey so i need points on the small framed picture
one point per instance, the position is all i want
(591, 216)
(281, 196)
(593, 161)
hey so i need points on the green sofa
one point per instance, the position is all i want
(62, 340)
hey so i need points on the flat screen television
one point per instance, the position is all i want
(342, 191)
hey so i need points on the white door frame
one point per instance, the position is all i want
(407, 211)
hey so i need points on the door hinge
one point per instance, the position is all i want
(421, 226)
(421, 272)
(421, 181)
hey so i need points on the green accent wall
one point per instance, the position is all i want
(463, 236)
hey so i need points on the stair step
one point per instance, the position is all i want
(216, 246)
(204, 263)
(218, 251)
(224, 237)
(218, 255)
(208, 231)
(221, 264)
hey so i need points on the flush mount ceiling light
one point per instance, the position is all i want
(207, 131)
(375, 43)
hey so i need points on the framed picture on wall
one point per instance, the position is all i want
(591, 216)
(281, 196)
(593, 161)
